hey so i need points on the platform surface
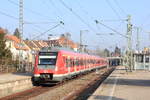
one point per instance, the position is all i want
(9, 77)
(122, 85)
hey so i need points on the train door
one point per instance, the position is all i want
(69, 64)
(75, 64)
(72, 64)
(84, 63)
(64, 68)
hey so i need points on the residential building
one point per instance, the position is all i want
(62, 41)
(16, 46)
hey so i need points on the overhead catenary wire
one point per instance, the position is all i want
(39, 22)
(15, 18)
(109, 4)
(59, 14)
(121, 9)
(112, 20)
(53, 4)
(47, 31)
(73, 12)
(8, 15)
(30, 10)
(83, 10)
(97, 22)
(81, 7)
(146, 19)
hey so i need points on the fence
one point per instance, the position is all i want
(7, 65)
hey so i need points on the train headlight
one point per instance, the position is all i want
(56, 68)
(36, 75)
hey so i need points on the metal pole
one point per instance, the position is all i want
(80, 40)
(81, 44)
(149, 61)
(135, 63)
(21, 31)
(129, 44)
(138, 42)
(144, 60)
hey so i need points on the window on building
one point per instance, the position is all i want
(139, 58)
(147, 60)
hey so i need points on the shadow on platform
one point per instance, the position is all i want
(23, 74)
(132, 82)
(101, 97)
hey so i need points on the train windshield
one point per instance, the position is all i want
(47, 58)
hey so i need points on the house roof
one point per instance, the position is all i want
(30, 44)
(2, 31)
(36, 44)
(17, 42)
(63, 41)
(21, 48)
(13, 38)
(44, 44)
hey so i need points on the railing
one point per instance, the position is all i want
(7, 66)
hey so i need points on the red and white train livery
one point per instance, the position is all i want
(58, 64)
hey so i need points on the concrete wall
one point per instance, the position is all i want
(15, 86)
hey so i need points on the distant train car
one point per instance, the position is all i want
(53, 65)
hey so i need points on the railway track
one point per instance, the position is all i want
(77, 88)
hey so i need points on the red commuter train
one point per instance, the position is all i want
(55, 64)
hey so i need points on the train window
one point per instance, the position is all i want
(48, 53)
(88, 61)
(99, 62)
(64, 60)
(47, 58)
(71, 63)
(47, 61)
(85, 62)
(77, 62)
(92, 61)
(67, 62)
(82, 62)
(74, 62)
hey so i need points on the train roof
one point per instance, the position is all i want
(64, 50)
(55, 49)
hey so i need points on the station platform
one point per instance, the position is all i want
(122, 85)
(8, 77)
(14, 82)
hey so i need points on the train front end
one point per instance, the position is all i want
(45, 67)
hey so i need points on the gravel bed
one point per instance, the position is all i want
(60, 92)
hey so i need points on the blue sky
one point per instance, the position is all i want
(82, 17)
